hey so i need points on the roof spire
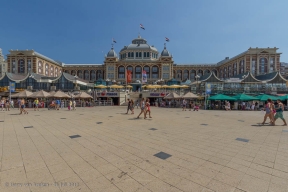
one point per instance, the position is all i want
(112, 46)
(164, 45)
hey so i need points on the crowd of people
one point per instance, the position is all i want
(144, 106)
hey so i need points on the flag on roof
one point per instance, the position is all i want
(142, 27)
(114, 41)
(167, 39)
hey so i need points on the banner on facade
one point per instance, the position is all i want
(12, 86)
(208, 88)
(129, 76)
(144, 77)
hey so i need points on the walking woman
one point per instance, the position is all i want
(269, 112)
(147, 109)
(142, 106)
(7, 105)
(132, 106)
(2, 104)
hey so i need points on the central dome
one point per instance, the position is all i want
(139, 43)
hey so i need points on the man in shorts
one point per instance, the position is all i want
(279, 112)
(36, 103)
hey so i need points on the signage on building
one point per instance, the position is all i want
(158, 94)
(232, 80)
(108, 94)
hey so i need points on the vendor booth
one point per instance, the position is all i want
(108, 98)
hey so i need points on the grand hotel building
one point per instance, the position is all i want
(138, 56)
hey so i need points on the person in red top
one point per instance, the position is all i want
(147, 109)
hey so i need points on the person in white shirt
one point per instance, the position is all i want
(74, 105)
(184, 105)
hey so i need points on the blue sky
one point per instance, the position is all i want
(200, 31)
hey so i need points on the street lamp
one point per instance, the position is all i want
(197, 77)
(243, 77)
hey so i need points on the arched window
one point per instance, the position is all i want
(99, 74)
(263, 63)
(46, 69)
(215, 72)
(29, 65)
(155, 72)
(225, 72)
(92, 75)
(21, 66)
(86, 75)
(51, 71)
(185, 74)
(234, 69)
(73, 72)
(121, 72)
(130, 68)
(56, 72)
(40, 67)
(179, 74)
(272, 65)
(207, 71)
(200, 73)
(192, 75)
(241, 67)
(230, 71)
(147, 69)
(138, 72)
(80, 74)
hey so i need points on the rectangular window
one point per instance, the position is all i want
(121, 76)
(138, 76)
(140, 54)
(144, 54)
(154, 76)
(121, 69)
(129, 54)
(148, 54)
(132, 54)
(154, 69)
(138, 69)
(136, 54)
(166, 75)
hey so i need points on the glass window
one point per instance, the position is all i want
(121, 75)
(121, 69)
(148, 54)
(140, 54)
(138, 69)
(144, 54)
(138, 76)
(154, 69)
(129, 54)
(132, 54)
(154, 75)
(136, 54)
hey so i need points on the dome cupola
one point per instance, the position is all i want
(165, 52)
(111, 53)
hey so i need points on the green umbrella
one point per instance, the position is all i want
(222, 97)
(244, 97)
(264, 97)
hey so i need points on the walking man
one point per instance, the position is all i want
(279, 112)
(129, 105)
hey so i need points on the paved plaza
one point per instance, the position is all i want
(103, 149)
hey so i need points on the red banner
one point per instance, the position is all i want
(129, 76)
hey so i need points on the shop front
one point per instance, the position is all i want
(155, 97)
(108, 98)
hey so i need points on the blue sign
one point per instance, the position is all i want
(12, 86)
(208, 88)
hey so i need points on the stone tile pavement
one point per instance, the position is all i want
(115, 152)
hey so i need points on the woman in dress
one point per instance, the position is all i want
(132, 107)
(269, 112)
(142, 106)
(147, 109)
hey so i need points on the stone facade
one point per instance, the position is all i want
(3, 64)
(28, 61)
(140, 56)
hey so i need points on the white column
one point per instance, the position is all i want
(251, 64)
(257, 65)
